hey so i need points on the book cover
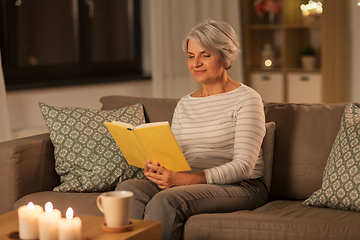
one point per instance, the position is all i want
(150, 141)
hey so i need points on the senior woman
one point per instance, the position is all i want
(220, 129)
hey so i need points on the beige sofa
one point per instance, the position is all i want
(303, 139)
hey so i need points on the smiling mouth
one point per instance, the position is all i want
(198, 72)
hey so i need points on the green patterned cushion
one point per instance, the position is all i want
(86, 157)
(341, 181)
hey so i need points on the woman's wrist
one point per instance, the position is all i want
(183, 178)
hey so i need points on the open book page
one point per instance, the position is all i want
(129, 146)
(128, 125)
(160, 146)
(151, 141)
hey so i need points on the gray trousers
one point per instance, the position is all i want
(172, 207)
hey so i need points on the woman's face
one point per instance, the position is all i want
(205, 67)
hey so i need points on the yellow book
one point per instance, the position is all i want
(149, 141)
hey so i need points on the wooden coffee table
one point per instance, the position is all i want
(91, 228)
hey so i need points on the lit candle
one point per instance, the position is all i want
(28, 221)
(70, 227)
(49, 223)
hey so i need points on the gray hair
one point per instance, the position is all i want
(214, 36)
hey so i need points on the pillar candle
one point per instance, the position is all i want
(70, 227)
(28, 221)
(49, 223)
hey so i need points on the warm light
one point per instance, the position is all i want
(268, 63)
(28, 218)
(70, 227)
(69, 213)
(358, 3)
(48, 207)
(312, 8)
(31, 206)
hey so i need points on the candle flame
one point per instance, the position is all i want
(31, 205)
(48, 207)
(69, 213)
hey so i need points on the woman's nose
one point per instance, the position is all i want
(197, 62)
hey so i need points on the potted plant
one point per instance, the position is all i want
(308, 57)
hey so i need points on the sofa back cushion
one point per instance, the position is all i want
(156, 109)
(304, 137)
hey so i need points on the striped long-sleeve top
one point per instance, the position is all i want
(222, 134)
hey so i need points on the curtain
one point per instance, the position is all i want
(5, 133)
(170, 21)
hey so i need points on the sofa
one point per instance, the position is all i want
(303, 139)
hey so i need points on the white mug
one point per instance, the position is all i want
(116, 206)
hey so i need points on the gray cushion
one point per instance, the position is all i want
(341, 182)
(86, 156)
(268, 152)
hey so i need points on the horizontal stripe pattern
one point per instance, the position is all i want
(222, 134)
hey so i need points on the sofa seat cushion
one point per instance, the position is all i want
(276, 220)
(82, 203)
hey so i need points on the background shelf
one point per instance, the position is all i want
(288, 36)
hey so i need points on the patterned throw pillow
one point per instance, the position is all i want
(86, 156)
(341, 181)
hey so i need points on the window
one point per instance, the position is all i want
(63, 42)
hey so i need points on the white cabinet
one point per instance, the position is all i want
(304, 87)
(270, 86)
(300, 87)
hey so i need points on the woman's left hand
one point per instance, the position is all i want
(166, 178)
(158, 174)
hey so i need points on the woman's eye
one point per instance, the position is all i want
(206, 55)
(190, 56)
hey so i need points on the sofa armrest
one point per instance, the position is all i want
(26, 165)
